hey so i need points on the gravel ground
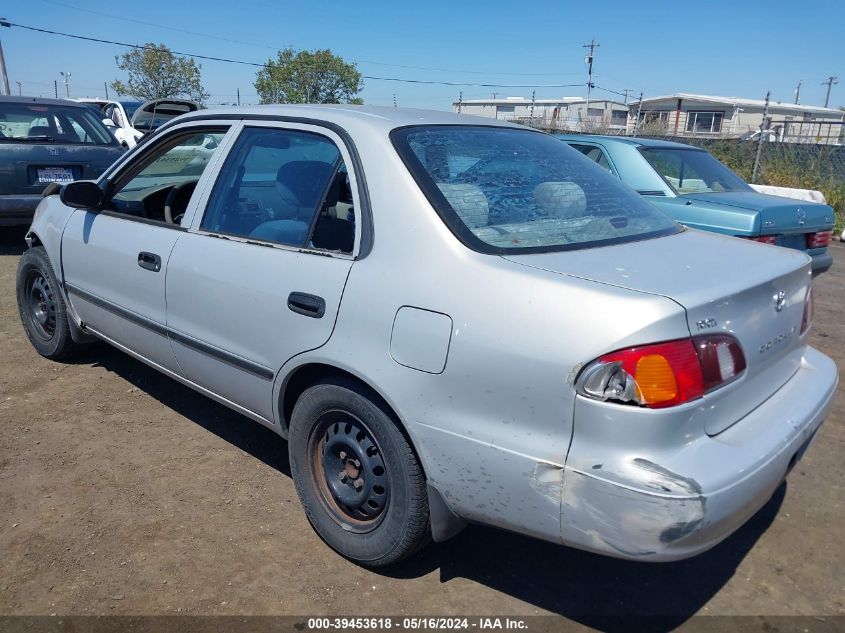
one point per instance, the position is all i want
(123, 492)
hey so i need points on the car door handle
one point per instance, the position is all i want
(309, 305)
(150, 261)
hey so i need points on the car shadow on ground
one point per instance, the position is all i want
(249, 436)
(597, 591)
(11, 240)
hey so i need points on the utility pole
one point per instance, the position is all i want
(106, 86)
(460, 100)
(6, 90)
(593, 45)
(627, 91)
(67, 83)
(56, 89)
(531, 115)
(20, 88)
(239, 96)
(798, 92)
(639, 112)
(831, 81)
(763, 127)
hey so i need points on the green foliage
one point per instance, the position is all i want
(156, 73)
(308, 77)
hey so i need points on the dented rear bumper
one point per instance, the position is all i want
(626, 495)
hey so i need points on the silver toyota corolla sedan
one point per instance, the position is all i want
(450, 319)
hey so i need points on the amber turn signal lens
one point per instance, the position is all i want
(655, 379)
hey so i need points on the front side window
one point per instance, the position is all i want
(160, 186)
(692, 171)
(37, 123)
(511, 190)
(287, 187)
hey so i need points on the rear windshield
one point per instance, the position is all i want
(154, 115)
(39, 123)
(692, 171)
(510, 190)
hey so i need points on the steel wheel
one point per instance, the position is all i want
(350, 471)
(41, 304)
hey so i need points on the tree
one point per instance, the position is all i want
(156, 73)
(308, 77)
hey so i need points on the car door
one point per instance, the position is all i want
(259, 276)
(115, 260)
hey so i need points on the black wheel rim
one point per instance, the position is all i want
(41, 304)
(348, 467)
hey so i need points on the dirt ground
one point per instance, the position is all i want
(123, 492)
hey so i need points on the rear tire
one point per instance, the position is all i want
(41, 306)
(356, 474)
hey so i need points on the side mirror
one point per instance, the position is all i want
(109, 123)
(82, 194)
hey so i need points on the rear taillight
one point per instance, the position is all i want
(809, 308)
(663, 374)
(819, 239)
(763, 239)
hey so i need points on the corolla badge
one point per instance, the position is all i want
(779, 300)
(802, 216)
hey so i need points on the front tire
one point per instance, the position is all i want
(356, 474)
(41, 306)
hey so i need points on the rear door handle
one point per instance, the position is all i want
(150, 261)
(309, 305)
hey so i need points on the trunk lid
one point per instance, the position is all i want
(726, 285)
(778, 216)
(29, 167)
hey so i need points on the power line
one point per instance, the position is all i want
(268, 46)
(265, 65)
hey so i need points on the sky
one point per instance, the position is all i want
(657, 48)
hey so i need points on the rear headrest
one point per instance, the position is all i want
(561, 199)
(333, 194)
(468, 201)
(304, 178)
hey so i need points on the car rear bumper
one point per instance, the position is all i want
(821, 263)
(17, 209)
(672, 504)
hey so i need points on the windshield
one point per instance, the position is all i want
(692, 170)
(511, 190)
(129, 107)
(44, 123)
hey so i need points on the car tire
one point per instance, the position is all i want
(41, 306)
(356, 474)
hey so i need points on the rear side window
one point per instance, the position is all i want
(507, 190)
(284, 186)
(595, 154)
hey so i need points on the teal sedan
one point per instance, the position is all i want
(696, 190)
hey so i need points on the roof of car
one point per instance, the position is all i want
(43, 101)
(624, 140)
(383, 117)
